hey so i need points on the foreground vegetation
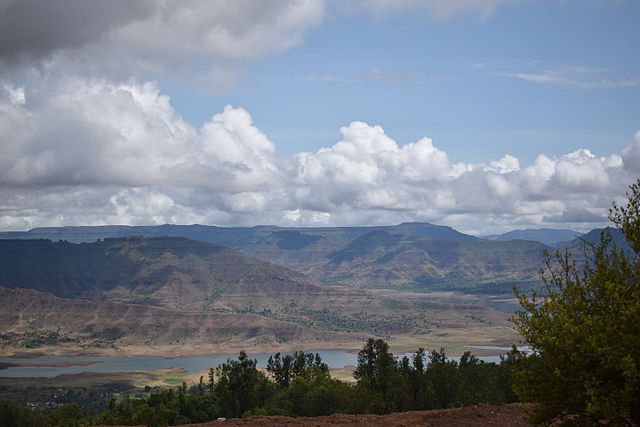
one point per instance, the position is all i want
(300, 385)
(584, 331)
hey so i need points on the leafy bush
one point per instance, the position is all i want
(584, 331)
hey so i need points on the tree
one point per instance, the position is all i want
(280, 368)
(443, 380)
(374, 373)
(584, 329)
(15, 416)
(375, 362)
(284, 369)
(240, 386)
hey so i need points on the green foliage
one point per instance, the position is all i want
(241, 387)
(15, 416)
(298, 385)
(389, 385)
(584, 331)
(68, 415)
(284, 369)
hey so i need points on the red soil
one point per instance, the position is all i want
(483, 415)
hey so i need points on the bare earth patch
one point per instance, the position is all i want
(482, 415)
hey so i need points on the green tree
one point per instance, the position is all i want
(241, 387)
(444, 381)
(375, 362)
(376, 367)
(284, 369)
(280, 369)
(418, 380)
(584, 329)
(504, 375)
(16, 416)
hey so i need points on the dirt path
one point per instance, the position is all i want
(495, 415)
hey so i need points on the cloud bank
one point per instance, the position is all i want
(206, 41)
(87, 137)
(78, 150)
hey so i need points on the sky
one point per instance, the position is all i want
(484, 115)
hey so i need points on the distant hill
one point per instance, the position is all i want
(593, 237)
(187, 271)
(546, 236)
(379, 259)
(237, 237)
(191, 281)
(408, 255)
(30, 315)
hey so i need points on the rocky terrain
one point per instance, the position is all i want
(179, 296)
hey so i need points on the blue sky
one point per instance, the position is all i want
(485, 115)
(450, 79)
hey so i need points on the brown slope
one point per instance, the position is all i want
(162, 271)
(381, 260)
(185, 275)
(27, 312)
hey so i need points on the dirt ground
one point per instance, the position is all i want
(495, 415)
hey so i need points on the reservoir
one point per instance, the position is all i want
(52, 366)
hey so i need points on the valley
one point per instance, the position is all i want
(173, 296)
(132, 310)
(174, 290)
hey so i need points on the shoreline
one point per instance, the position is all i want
(170, 352)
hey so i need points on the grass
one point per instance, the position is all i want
(454, 340)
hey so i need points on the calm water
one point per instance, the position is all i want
(333, 358)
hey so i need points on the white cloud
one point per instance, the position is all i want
(506, 164)
(366, 169)
(90, 151)
(133, 205)
(581, 171)
(232, 29)
(577, 77)
(205, 41)
(83, 132)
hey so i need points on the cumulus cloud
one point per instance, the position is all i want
(365, 169)
(84, 142)
(79, 150)
(32, 29)
(92, 132)
(144, 38)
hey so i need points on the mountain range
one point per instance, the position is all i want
(113, 290)
(106, 286)
(547, 236)
(408, 255)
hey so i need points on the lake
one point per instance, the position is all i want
(52, 366)
(80, 364)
